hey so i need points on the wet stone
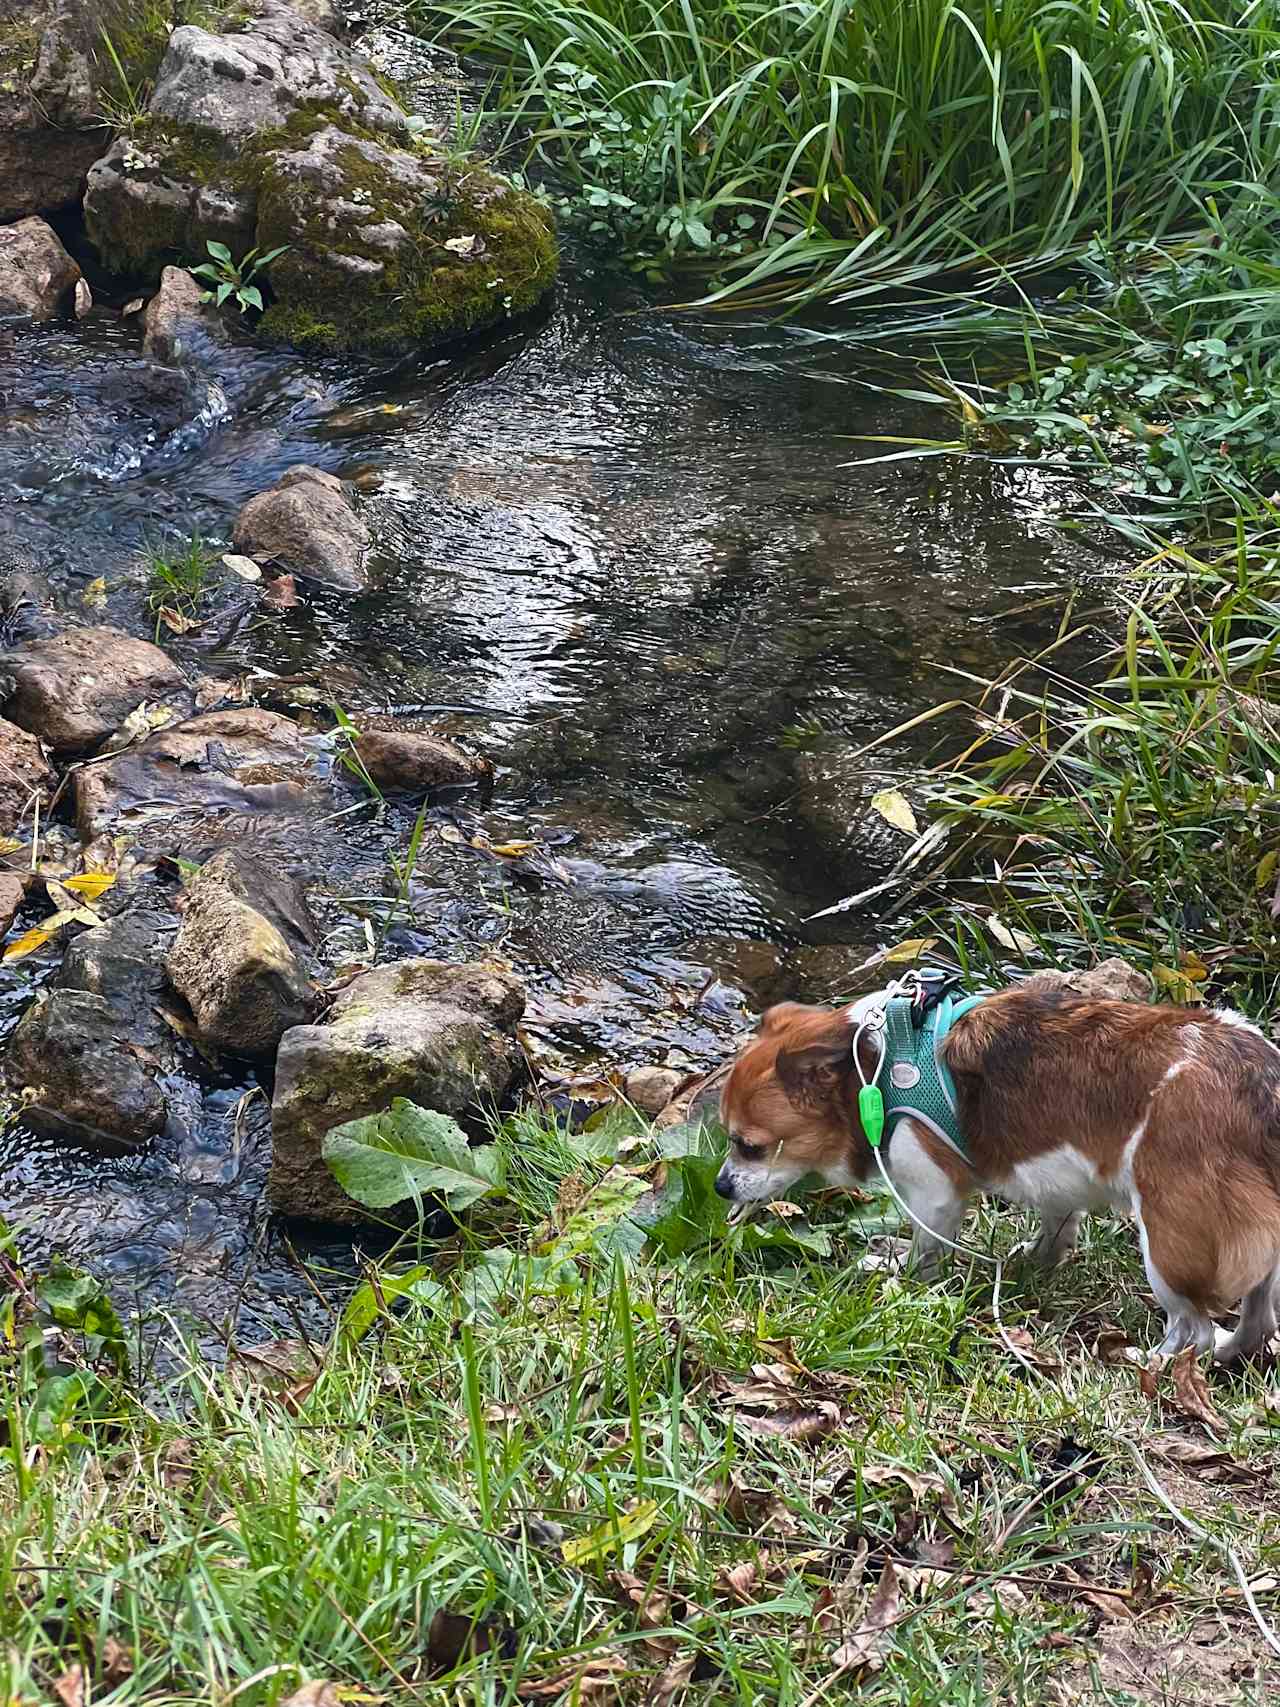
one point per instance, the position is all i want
(177, 324)
(79, 1077)
(416, 761)
(37, 276)
(74, 689)
(440, 1035)
(26, 777)
(244, 761)
(306, 525)
(240, 958)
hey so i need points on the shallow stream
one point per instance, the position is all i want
(637, 553)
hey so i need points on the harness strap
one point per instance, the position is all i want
(914, 1078)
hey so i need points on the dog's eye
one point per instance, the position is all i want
(748, 1152)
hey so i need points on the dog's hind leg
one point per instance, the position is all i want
(1257, 1322)
(1059, 1230)
(1186, 1320)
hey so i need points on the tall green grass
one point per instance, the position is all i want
(846, 148)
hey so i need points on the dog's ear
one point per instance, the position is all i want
(780, 1016)
(813, 1077)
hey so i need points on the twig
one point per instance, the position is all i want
(1225, 1548)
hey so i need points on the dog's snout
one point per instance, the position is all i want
(724, 1184)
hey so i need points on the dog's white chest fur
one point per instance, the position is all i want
(1064, 1179)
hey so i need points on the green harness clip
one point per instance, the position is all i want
(871, 1113)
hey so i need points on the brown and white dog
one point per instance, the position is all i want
(1066, 1105)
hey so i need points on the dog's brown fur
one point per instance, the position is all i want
(1184, 1104)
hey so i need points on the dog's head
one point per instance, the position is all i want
(790, 1103)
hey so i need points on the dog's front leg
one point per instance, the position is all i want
(935, 1204)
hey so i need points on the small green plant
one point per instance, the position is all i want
(228, 278)
(177, 579)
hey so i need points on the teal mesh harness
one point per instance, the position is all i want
(913, 1078)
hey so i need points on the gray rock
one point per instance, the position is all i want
(414, 760)
(650, 1089)
(53, 75)
(26, 777)
(442, 1036)
(278, 135)
(241, 762)
(37, 277)
(234, 87)
(122, 961)
(73, 689)
(239, 958)
(1112, 980)
(79, 1077)
(306, 524)
(12, 894)
(178, 324)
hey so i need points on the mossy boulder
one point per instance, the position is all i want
(280, 136)
(443, 1036)
(59, 84)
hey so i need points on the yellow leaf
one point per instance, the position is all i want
(1179, 985)
(1194, 967)
(9, 844)
(1017, 940)
(1266, 869)
(91, 884)
(512, 850)
(95, 594)
(895, 809)
(902, 953)
(28, 943)
(610, 1537)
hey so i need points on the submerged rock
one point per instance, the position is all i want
(276, 134)
(75, 688)
(414, 760)
(12, 894)
(244, 761)
(440, 1035)
(240, 954)
(37, 276)
(306, 524)
(650, 1089)
(26, 776)
(86, 1058)
(177, 322)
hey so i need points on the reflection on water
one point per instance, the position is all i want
(638, 552)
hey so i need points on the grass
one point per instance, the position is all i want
(178, 574)
(826, 150)
(526, 1480)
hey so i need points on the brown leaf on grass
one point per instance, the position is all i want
(866, 1647)
(1112, 1345)
(175, 1464)
(1110, 1603)
(503, 1414)
(1149, 1382)
(115, 1662)
(739, 1582)
(652, 1605)
(800, 1422)
(175, 620)
(1214, 1463)
(69, 1688)
(456, 1636)
(1191, 1392)
(598, 1674)
(315, 1694)
(1023, 1342)
(279, 1365)
(917, 1482)
(672, 1682)
(755, 1509)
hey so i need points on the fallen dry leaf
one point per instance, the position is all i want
(801, 1422)
(282, 592)
(1112, 1345)
(739, 1582)
(503, 1414)
(244, 567)
(672, 1682)
(1111, 1604)
(598, 1675)
(1021, 1339)
(174, 620)
(1214, 1463)
(69, 1688)
(1191, 1392)
(176, 1459)
(652, 1605)
(866, 1647)
(918, 1482)
(316, 1694)
(893, 806)
(755, 1509)
(116, 1662)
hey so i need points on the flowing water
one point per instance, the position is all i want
(637, 553)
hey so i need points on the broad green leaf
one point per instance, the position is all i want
(250, 297)
(410, 1152)
(610, 1537)
(77, 1301)
(219, 251)
(686, 1212)
(597, 1222)
(362, 1308)
(501, 1274)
